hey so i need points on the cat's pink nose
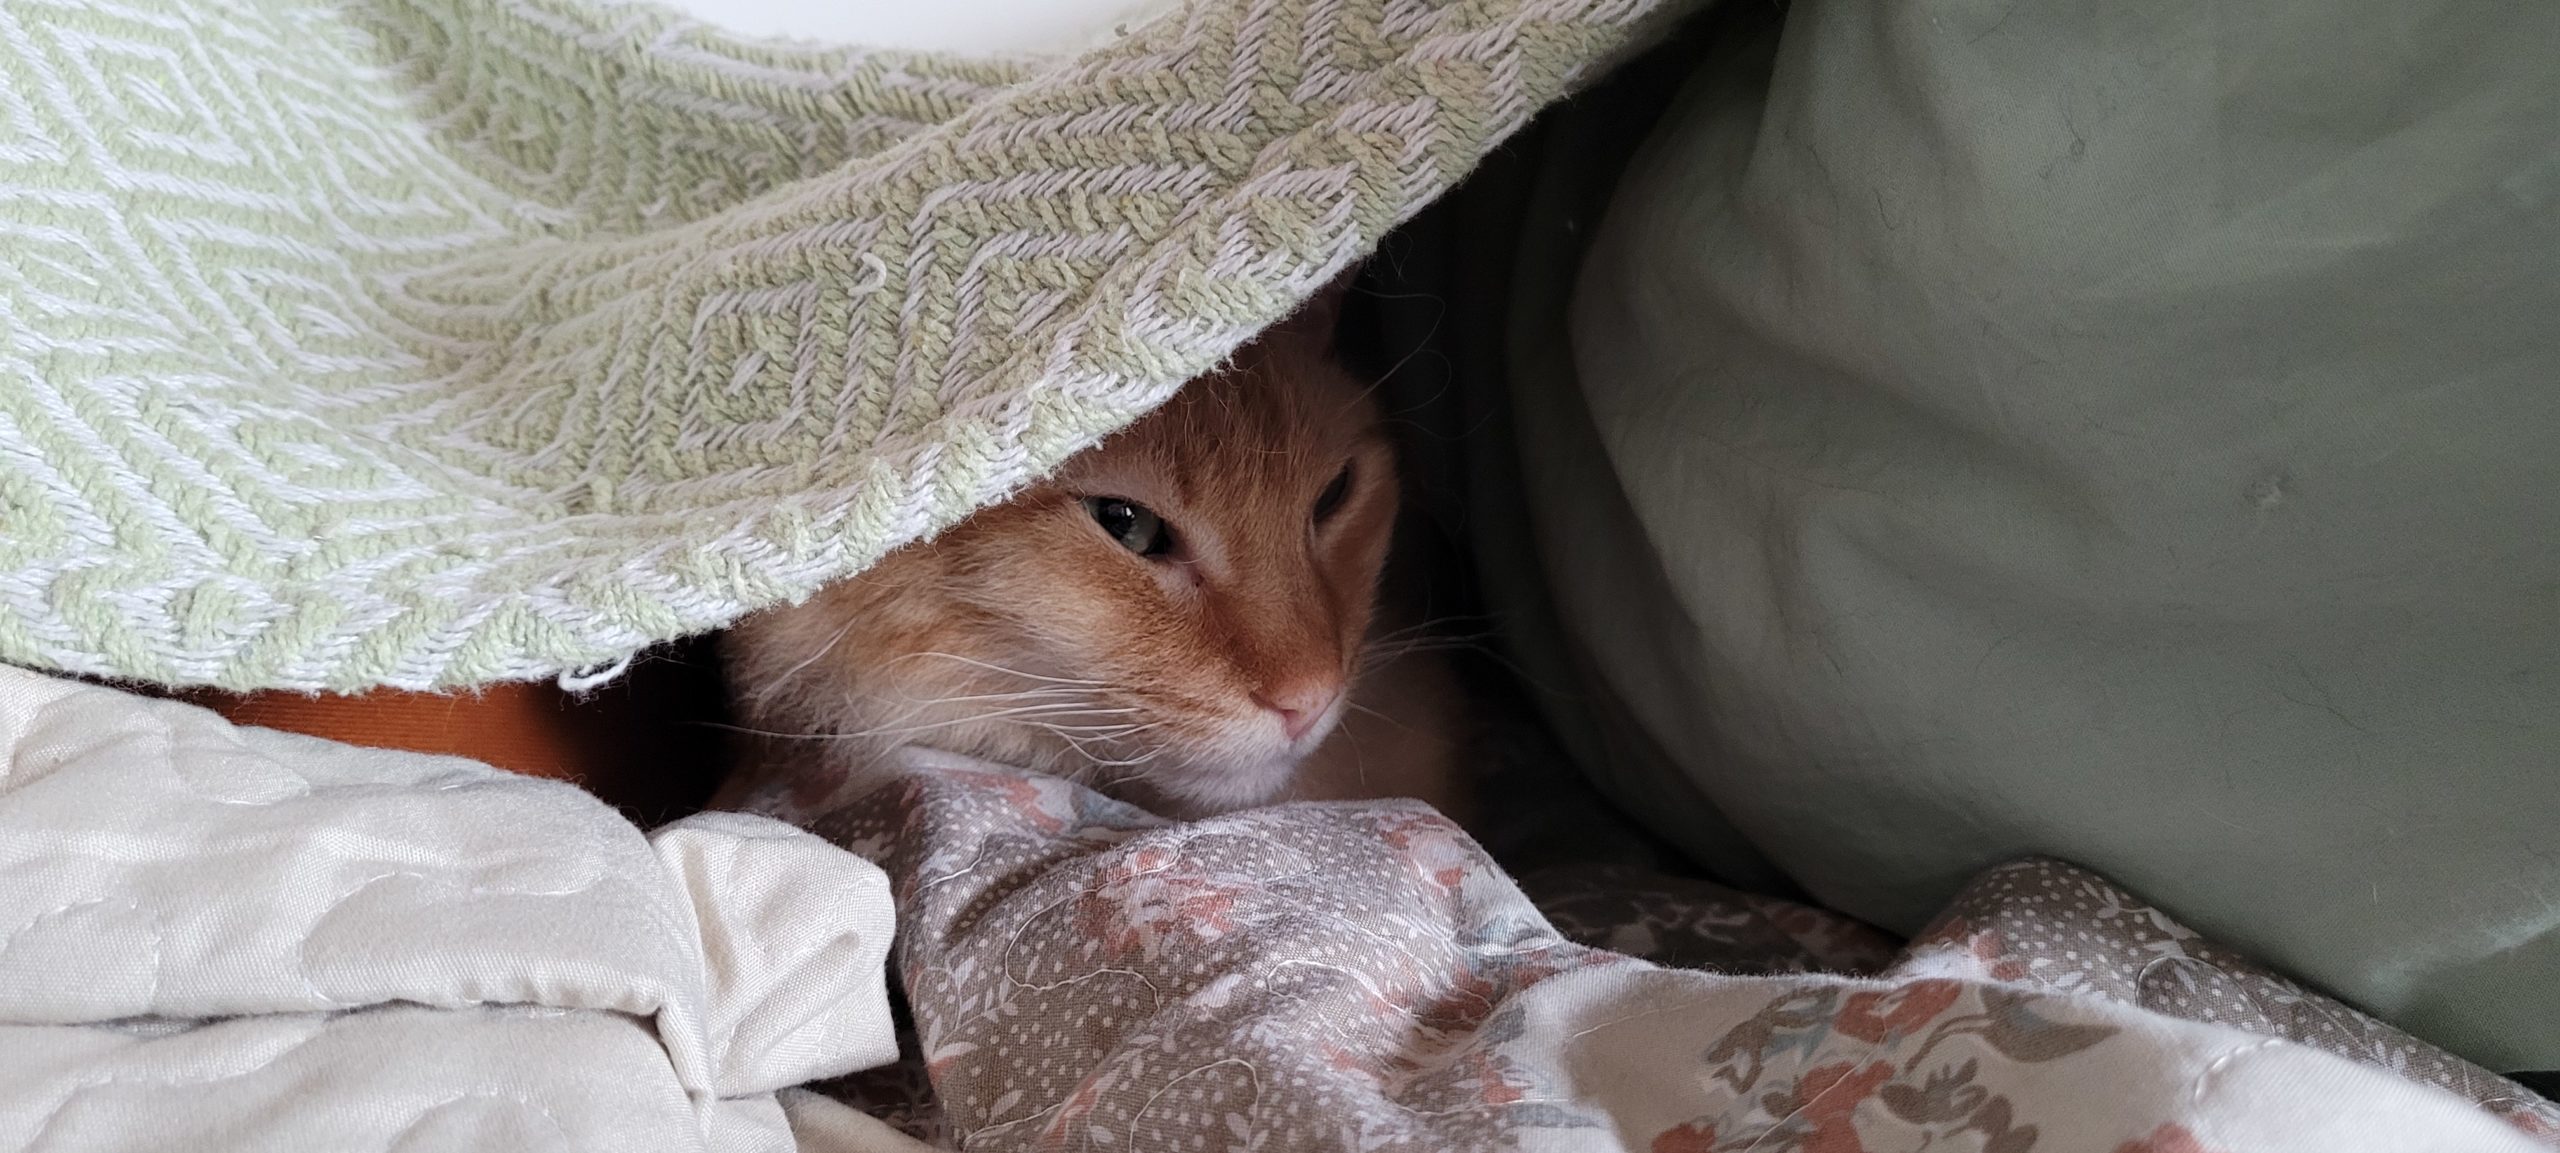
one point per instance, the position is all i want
(1300, 706)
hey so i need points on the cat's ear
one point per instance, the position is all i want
(1311, 327)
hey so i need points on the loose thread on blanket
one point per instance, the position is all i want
(578, 682)
(879, 270)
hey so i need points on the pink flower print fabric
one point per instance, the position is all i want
(1360, 977)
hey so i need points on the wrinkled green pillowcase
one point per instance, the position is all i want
(2130, 434)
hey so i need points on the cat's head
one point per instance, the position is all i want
(1178, 611)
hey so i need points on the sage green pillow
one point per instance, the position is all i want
(2123, 432)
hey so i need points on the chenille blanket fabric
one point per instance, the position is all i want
(436, 342)
(1084, 976)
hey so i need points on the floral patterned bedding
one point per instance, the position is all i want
(1082, 975)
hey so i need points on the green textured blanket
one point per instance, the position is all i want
(440, 342)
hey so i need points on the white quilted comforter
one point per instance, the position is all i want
(215, 938)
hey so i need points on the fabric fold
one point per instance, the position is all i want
(194, 911)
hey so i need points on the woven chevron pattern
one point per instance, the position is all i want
(438, 342)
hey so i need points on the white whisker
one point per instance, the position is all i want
(996, 668)
(974, 718)
(1062, 695)
(766, 696)
(1356, 706)
(772, 734)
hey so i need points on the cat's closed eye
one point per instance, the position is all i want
(1134, 525)
(1330, 500)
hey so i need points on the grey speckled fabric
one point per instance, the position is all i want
(1361, 976)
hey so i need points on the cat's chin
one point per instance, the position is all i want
(1192, 792)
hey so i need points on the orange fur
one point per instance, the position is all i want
(1028, 635)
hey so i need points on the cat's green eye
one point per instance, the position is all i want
(1330, 500)
(1134, 525)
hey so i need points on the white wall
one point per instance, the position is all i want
(936, 25)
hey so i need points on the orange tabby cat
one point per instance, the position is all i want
(1181, 615)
